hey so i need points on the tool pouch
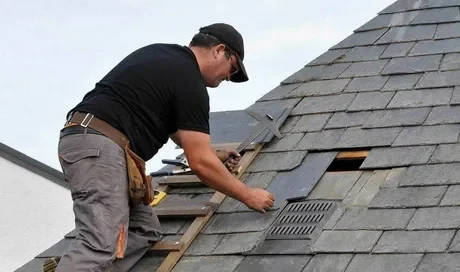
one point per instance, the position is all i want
(140, 188)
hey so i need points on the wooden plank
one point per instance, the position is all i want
(352, 155)
(198, 224)
(166, 246)
(182, 211)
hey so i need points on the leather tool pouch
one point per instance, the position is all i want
(140, 188)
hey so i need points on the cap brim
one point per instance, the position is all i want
(241, 76)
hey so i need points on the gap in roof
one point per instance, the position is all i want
(348, 161)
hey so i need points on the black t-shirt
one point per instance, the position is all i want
(150, 94)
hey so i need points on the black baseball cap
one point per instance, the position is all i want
(228, 35)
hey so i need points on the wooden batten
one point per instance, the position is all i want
(166, 246)
(352, 155)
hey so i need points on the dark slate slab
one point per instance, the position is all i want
(273, 263)
(320, 140)
(238, 243)
(371, 101)
(367, 84)
(397, 156)
(439, 79)
(204, 245)
(385, 262)
(435, 218)
(310, 73)
(436, 16)
(328, 57)
(279, 161)
(57, 249)
(149, 262)
(321, 87)
(395, 50)
(422, 135)
(446, 153)
(363, 53)
(414, 241)
(229, 205)
(451, 197)
(444, 115)
(346, 241)
(436, 174)
(389, 20)
(421, 98)
(364, 219)
(240, 222)
(287, 143)
(411, 65)
(397, 117)
(365, 68)
(300, 181)
(451, 62)
(328, 262)
(448, 31)
(311, 122)
(415, 197)
(455, 100)
(455, 245)
(355, 137)
(35, 265)
(282, 247)
(408, 34)
(323, 104)
(208, 264)
(290, 122)
(439, 262)
(406, 5)
(260, 180)
(348, 119)
(435, 47)
(361, 38)
(401, 82)
(172, 225)
(279, 92)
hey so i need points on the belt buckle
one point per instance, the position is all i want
(88, 116)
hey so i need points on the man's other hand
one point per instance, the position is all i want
(233, 159)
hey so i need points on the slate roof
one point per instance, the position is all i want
(392, 87)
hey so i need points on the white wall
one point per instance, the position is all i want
(35, 213)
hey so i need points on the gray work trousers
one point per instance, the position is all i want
(112, 236)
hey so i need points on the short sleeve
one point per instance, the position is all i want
(191, 106)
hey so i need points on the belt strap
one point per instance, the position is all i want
(91, 121)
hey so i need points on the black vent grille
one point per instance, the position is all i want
(300, 220)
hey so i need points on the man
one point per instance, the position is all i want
(155, 93)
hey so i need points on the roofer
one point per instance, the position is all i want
(156, 92)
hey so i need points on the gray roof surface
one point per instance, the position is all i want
(392, 87)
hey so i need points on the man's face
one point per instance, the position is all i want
(223, 67)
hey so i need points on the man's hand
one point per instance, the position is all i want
(259, 200)
(233, 159)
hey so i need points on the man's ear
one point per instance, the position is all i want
(218, 49)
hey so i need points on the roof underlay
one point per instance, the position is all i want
(393, 88)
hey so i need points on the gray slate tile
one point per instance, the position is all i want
(204, 245)
(240, 222)
(408, 34)
(455, 245)
(287, 143)
(451, 197)
(279, 92)
(328, 263)
(368, 190)
(334, 185)
(260, 180)
(397, 117)
(361, 38)
(355, 137)
(399, 156)
(414, 241)
(363, 53)
(435, 174)
(335, 217)
(439, 79)
(300, 181)
(412, 65)
(439, 262)
(274, 105)
(436, 16)
(455, 100)
(283, 247)
(150, 261)
(421, 98)
(348, 119)
(415, 197)
(365, 68)
(435, 218)
(401, 82)
(364, 219)
(290, 122)
(448, 31)
(444, 115)
(346, 241)
(273, 263)
(276, 161)
(395, 50)
(238, 243)
(172, 225)
(389, 20)
(451, 62)
(328, 57)
(422, 135)
(320, 140)
(311, 122)
(352, 195)
(435, 47)
(311, 73)
(208, 264)
(320, 87)
(366, 84)
(323, 104)
(371, 101)
(385, 262)
(406, 5)
(394, 177)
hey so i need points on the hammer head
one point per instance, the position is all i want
(267, 121)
